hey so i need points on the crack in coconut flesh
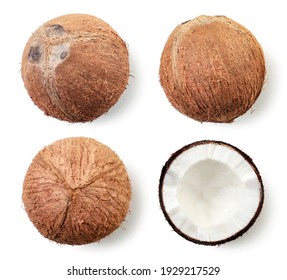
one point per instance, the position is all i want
(75, 67)
(210, 192)
(76, 191)
(212, 69)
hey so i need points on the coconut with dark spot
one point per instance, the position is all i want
(212, 69)
(75, 67)
(76, 191)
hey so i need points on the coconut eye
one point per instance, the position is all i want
(55, 30)
(64, 54)
(34, 54)
(210, 192)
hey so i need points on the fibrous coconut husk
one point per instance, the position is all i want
(76, 191)
(212, 69)
(75, 67)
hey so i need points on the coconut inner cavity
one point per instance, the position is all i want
(210, 192)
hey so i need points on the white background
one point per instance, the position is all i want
(144, 129)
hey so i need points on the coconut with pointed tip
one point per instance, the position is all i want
(75, 67)
(76, 191)
(212, 69)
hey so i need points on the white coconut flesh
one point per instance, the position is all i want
(211, 192)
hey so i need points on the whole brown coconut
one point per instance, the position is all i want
(75, 67)
(76, 191)
(212, 69)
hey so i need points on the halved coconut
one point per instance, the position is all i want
(210, 192)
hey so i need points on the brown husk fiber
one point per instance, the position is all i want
(76, 191)
(212, 69)
(75, 67)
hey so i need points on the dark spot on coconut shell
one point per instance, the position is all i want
(55, 30)
(63, 55)
(34, 54)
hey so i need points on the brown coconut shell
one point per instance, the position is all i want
(212, 69)
(75, 67)
(76, 191)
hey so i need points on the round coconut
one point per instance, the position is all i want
(75, 67)
(212, 69)
(76, 191)
(210, 192)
